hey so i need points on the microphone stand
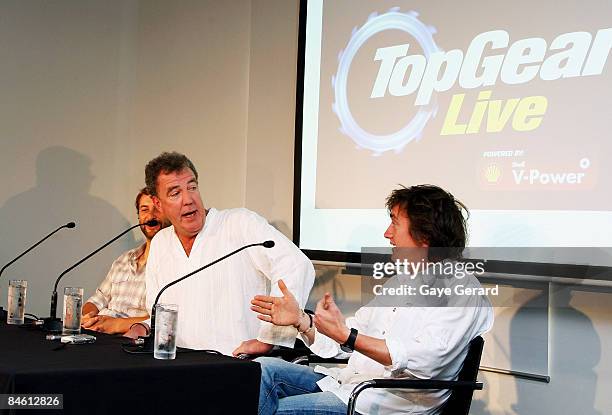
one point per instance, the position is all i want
(54, 324)
(145, 344)
(69, 225)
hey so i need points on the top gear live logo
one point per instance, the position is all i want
(573, 54)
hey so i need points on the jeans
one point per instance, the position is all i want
(288, 388)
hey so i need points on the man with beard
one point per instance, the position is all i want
(119, 301)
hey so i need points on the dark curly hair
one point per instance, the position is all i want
(436, 218)
(166, 163)
(144, 191)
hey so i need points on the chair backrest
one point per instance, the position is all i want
(460, 400)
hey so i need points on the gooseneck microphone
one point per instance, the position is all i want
(52, 323)
(69, 225)
(148, 341)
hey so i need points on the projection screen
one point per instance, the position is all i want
(504, 104)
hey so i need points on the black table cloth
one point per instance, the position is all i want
(100, 378)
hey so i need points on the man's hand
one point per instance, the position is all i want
(329, 320)
(280, 311)
(253, 347)
(105, 324)
(90, 309)
(137, 330)
(88, 319)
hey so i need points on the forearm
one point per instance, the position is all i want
(124, 324)
(303, 327)
(375, 349)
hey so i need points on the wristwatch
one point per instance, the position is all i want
(349, 345)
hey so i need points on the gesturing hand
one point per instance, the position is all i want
(280, 311)
(329, 320)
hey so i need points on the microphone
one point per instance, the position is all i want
(69, 225)
(148, 341)
(52, 323)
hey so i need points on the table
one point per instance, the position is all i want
(100, 378)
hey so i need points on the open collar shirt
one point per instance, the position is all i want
(424, 343)
(214, 304)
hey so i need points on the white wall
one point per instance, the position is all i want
(192, 89)
(62, 125)
(92, 90)
(580, 361)
(272, 83)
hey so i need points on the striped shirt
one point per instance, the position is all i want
(122, 293)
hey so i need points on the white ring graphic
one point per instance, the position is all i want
(393, 19)
(585, 163)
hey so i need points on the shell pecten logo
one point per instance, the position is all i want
(492, 173)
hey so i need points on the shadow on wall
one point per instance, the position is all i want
(575, 351)
(61, 195)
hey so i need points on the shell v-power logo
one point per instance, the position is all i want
(489, 59)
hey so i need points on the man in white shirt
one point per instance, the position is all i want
(410, 340)
(213, 305)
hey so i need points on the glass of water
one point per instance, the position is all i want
(73, 305)
(17, 291)
(166, 319)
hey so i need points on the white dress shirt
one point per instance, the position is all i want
(214, 304)
(424, 343)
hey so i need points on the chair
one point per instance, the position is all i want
(462, 389)
(290, 354)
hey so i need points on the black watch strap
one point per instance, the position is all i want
(349, 345)
(310, 315)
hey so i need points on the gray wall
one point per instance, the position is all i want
(94, 89)
(91, 91)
